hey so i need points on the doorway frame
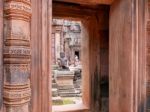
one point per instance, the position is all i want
(40, 28)
(1, 54)
(39, 76)
(40, 67)
(85, 50)
(137, 91)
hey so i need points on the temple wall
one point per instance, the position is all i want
(95, 30)
(66, 37)
(127, 56)
(148, 57)
(1, 55)
(121, 61)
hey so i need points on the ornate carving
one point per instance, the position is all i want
(21, 108)
(17, 97)
(22, 1)
(17, 10)
(16, 86)
(16, 52)
(17, 55)
(16, 61)
(16, 73)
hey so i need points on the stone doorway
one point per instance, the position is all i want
(95, 53)
(127, 53)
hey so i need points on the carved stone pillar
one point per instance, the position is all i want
(57, 45)
(17, 54)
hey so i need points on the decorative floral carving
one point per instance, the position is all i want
(21, 96)
(17, 10)
(17, 51)
(28, 2)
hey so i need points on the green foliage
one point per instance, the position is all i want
(68, 101)
(64, 102)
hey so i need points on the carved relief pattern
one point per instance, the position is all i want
(14, 9)
(19, 72)
(17, 55)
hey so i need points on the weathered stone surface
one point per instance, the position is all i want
(66, 37)
(17, 55)
(16, 73)
(64, 80)
(21, 108)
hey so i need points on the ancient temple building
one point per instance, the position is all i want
(66, 70)
(66, 37)
(114, 53)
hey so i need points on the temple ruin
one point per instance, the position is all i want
(67, 69)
